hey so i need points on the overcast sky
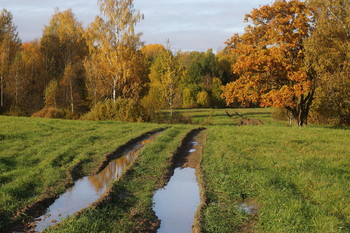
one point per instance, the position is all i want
(188, 24)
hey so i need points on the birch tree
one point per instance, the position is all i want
(114, 48)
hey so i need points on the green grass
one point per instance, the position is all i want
(219, 117)
(297, 177)
(129, 207)
(36, 155)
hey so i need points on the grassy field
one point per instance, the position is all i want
(217, 117)
(36, 155)
(295, 179)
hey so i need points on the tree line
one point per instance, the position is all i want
(293, 55)
(72, 70)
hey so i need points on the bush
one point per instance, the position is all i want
(280, 114)
(120, 110)
(49, 112)
(16, 112)
(203, 99)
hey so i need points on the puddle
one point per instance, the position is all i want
(248, 209)
(176, 204)
(89, 189)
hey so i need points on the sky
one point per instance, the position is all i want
(188, 24)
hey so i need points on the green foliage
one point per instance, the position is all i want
(164, 77)
(216, 93)
(121, 110)
(188, 98)
(202, 73)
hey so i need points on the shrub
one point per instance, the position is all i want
(49, 112)
(121, 110)
(280, 114)
(203, 99)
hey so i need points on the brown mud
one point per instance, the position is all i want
(24, 219)
(182, 157)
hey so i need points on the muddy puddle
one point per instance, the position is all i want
(89, 189)
(176, 204)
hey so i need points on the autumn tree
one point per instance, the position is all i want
(152, 51)
(17, 81)
(9, 45)
(328, 52)
(28, 80)
(271, 60)
(64, 49)
(114, 51)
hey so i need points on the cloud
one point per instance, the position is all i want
(189, 24)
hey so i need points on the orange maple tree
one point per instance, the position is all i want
(271, 64)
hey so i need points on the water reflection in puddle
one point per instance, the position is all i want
(88, 189)
(248, 209)
(177, 203)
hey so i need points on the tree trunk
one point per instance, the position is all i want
(16, 89)
(171, 100)
(71, 96)
(300, 112)
(2, 90)
(114, 91)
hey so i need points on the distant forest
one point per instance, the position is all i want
(294, 56)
